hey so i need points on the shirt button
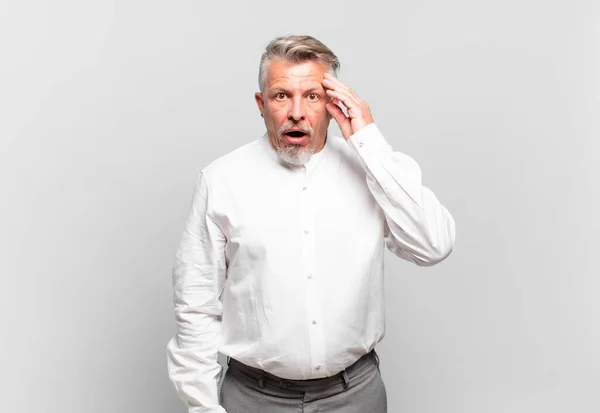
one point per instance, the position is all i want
(310, 276)
(305, 232)
(318, 367)
(304, 188)
(314, 321)
(361, 143)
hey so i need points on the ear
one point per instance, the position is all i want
(259, 101)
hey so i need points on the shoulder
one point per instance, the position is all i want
(233, 162)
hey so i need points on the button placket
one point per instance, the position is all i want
(309, 201)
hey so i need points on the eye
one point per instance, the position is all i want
(280, 96)
(313, 97)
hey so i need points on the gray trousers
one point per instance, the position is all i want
(358, 389)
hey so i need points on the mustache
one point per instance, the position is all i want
(298, 126)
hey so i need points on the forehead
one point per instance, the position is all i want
(281, 73)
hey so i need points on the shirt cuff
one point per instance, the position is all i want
(369, 137)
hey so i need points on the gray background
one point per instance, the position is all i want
(110, 109)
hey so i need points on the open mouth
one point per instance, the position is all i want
(295, 134)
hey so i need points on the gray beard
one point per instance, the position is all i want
(296, 156)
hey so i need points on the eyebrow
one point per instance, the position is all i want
(310, 90)
(315, 89)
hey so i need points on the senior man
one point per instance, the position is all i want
(280, 267)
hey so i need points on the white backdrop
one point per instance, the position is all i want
(109, 110)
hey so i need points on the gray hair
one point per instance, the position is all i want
(296, 49)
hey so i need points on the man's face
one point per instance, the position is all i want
(293, 105)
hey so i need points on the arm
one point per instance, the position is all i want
(418, 227)
(198, 279)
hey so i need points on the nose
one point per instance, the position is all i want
(297, 110)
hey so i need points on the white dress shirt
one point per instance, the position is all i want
(281, 267)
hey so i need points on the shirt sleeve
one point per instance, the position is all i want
(198, 279)
(418, 227)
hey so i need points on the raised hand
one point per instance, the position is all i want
(359, 114)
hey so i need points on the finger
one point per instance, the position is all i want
(341, 119)
(332, 82)
(348, 101)
(343, 91)
(333, 100)
(336, 84)
(337, 113)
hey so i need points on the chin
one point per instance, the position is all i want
(295, 155)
